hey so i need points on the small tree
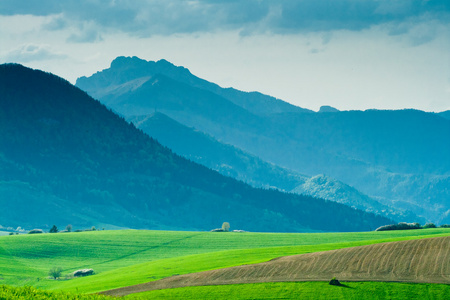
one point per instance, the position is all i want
(55, 272)
(54, 229)
(226, 226)
(69, 228)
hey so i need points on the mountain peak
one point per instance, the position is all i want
(151, 67)
(127, 61)
(164, 62)
(327, 109)
(126, 69)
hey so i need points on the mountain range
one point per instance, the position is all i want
(398, 158)
(66, 158)
(233, 162)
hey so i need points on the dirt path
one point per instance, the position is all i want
(425, 260)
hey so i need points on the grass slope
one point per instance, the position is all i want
(27, 293)
(127, 257)
(305, 290)
(418, 261)
(163, 268)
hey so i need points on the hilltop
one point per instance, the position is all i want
(128, 74)
(405, 261)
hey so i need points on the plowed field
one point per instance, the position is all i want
(421, 261)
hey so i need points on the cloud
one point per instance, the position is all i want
(419, 31)
(315, 51)
(87, 36)
(56, 23)
(24, 7)
(87, 32)
(31, 52)
(165, 17)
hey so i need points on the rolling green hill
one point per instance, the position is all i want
(305, 290)
(123, 258)
(413, 261)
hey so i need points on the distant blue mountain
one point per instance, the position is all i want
(445, 114)
(231, 161)
(399, 158)
(327, 109)
(226, 159)
(129, 73)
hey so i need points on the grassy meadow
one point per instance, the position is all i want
(127, 257)
(305, 290)
(28, 292)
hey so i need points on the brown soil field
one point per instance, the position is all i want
(421, 261)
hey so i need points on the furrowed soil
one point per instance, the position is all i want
(419, 261)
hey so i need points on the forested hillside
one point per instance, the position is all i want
(231, 161)
(93, 167)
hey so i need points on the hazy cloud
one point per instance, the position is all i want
(165, 17)
(31, 52)
(315, 51)
(56, 23)
(87, 36)
(87, 32)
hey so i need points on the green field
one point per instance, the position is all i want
(305, 290)
(27, 293)
(127, 257)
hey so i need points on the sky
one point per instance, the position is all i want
(349, 54)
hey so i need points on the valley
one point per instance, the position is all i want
(66, 158)
(224, 150)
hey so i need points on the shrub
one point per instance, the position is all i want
(445, 226)
(334, 281)
(83, 272)
(429, 225)
(35, 231)
(55, 272)
(399, 226)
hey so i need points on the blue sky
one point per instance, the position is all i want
(350, 54)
